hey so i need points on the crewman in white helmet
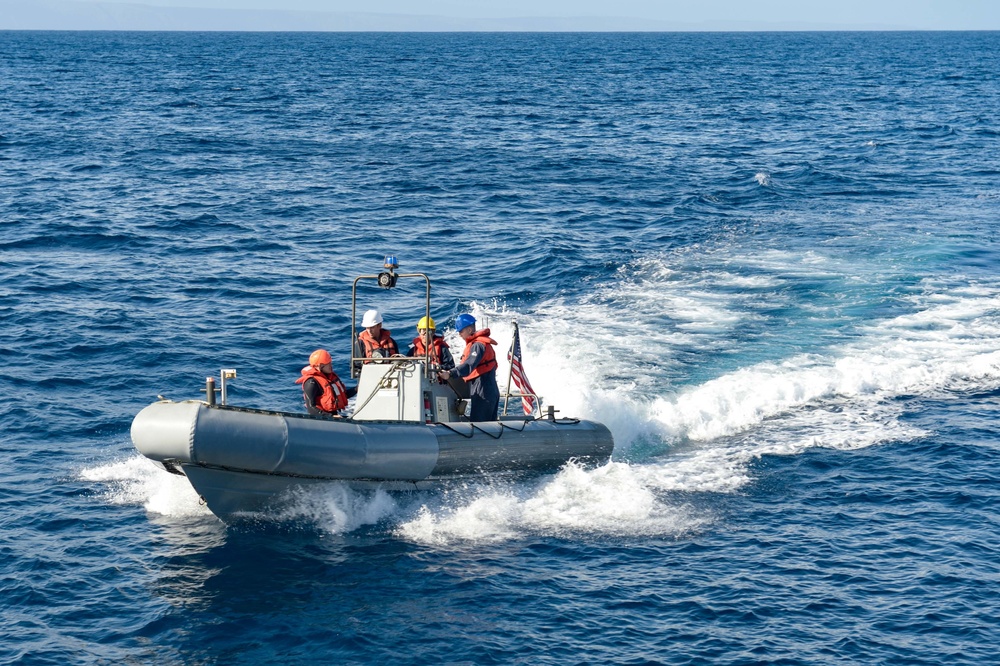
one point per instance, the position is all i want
(374, 342)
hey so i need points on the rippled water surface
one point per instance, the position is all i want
(768, 262)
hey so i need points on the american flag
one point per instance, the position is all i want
(517, 373)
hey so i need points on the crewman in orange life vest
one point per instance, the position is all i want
(440, 352)
(374, 342)
(478, 367)
(322, 390)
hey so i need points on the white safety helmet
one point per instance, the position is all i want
(371, 318)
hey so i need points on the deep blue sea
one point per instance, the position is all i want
(768, 262)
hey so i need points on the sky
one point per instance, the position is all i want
(757, 14)
(929, 13)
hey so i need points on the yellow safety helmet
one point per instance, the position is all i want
(425, 322)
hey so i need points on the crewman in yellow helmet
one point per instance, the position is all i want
(427, 337)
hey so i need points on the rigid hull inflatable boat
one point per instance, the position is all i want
(238, 460)
(406, 431)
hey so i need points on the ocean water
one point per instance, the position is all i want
(768, 262)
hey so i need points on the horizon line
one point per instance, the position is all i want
(501, 31)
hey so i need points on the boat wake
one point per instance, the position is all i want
(673, 441)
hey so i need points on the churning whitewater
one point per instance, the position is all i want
(673, 439)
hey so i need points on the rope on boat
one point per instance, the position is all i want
(473, 428)
(392, 368)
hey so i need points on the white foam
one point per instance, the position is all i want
(599, 359)
(843, 397)
(950, 339)
(138, 481)
(610, 500)
(491, 517)
(334, 507)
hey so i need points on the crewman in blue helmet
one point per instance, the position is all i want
(478, 368)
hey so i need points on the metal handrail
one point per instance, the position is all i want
(355, 371)
(507, 395)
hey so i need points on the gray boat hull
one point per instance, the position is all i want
(240, 460)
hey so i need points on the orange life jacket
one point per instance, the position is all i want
(437, 344)
(334, 396)
(488, 361)
(385, 344)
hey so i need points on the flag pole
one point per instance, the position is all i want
(510, 372)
